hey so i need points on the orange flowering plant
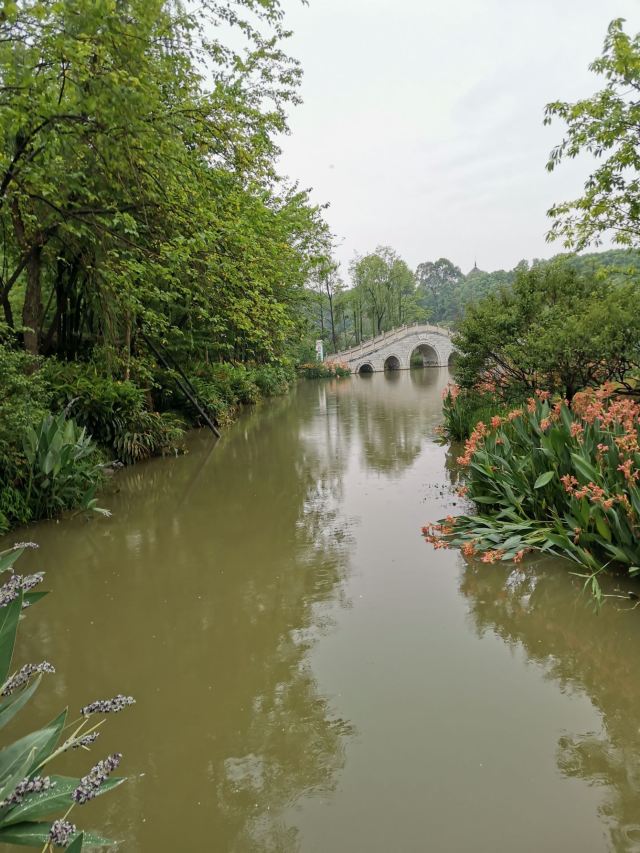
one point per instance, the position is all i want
(546, 477)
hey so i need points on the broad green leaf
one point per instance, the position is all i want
(13, 703)
(15, 771)
(56, 798)
(54, 729)
(543, 479)
(9, 557)
(76, 844)
(33, 745)
(602, 527)
(584, 467)
(36, 834)
(9, 617)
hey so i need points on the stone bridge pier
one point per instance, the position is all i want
(394, 350)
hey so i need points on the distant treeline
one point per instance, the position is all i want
(385, 293)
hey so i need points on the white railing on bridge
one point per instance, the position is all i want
(388, 337)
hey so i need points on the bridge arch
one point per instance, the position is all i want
(427, 352)
(392, 362)
(433, 344)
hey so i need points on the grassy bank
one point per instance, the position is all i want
(61, 422)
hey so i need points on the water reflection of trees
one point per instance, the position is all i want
(220, 571)
(391, 414)
(538, 607)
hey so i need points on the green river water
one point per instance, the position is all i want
(310, 675)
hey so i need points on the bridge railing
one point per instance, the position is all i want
(387, 337)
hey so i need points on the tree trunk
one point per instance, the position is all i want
(32, 308)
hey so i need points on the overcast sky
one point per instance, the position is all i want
(422, 120)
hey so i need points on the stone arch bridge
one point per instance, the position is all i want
(394, 350)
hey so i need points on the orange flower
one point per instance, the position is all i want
(492, 556)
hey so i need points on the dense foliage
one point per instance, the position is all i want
(463, 408)
(555, 329)
(324, 370)
(153, 261)
(59, 424)
(605, 126)
(550, 478)
(137, 186)
(29, 797)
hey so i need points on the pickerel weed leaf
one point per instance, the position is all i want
(9, 617)
(36, 834)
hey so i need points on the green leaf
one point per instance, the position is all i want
(543, 479)
(13, 703)
(8, 558)
(76, 844)
(54, 728)
(9, 617)
(54, 799)
(14, 770)
(602, 527)
(36, 834)
(36, 746)
(585, 468)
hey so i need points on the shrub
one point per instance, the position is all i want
(29, 800)
(114, 412)
(551, 478)
(62, 467)
(105, 406)
(462, 409)
(324, 370)
(272, 380)
(148, 434)
(23, 402)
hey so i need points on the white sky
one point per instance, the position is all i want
(422, 120)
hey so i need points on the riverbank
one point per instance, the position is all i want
(62, 423)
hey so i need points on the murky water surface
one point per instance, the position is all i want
(310, 675)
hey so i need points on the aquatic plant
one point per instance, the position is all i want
(553, 478)
(30, 800)
(63, 470)
(463, 408)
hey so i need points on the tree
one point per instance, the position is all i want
(437, 282)
(606, 126)
(385, 288)
(554, 329)
(136, 191)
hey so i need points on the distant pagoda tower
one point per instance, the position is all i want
(476, 269)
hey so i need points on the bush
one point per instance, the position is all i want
(114, 412)
(24, 401)
(324, 370)
(148, 434)
(554, 479)
(462, 409)
(29, 800)
(105, 406)
(272, 380)
(62, 467)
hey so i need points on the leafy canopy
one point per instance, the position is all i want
(605, 126)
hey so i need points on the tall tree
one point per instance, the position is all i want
(137, 180)
(606, 126)
(437, 281)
